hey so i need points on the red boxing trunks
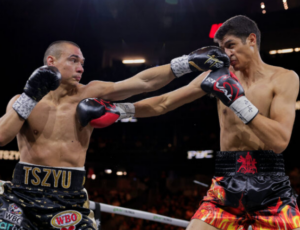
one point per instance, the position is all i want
(45, 198)
(250, 188)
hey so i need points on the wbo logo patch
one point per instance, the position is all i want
(14, 214)
(66, 219)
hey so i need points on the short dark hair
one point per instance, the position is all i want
(55, 49)
(239, 26)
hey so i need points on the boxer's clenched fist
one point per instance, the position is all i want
(100, 113)
(203, 59)
(41, 82)
(225, 86)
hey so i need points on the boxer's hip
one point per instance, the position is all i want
(36, 176)
(46, 198)
(250, 180)
(250, 188)
(249, 163)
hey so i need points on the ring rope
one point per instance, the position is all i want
(139, 214)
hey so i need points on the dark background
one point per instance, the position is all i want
(108, 31)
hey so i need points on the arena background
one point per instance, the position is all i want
(153, 152)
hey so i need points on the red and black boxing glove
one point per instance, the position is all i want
(100, 113)
(224, 85)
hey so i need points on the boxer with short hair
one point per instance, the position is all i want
(47, 187)
(256, 107)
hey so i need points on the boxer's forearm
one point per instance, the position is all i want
(10, 125)
(273, 134)
(156, 106)
(150, 107)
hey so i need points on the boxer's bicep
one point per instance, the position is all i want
(97, 89)
(284, 102)
(11, 102)
(10, 123)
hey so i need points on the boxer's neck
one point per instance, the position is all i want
(254, 69)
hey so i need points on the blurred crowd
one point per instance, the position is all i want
(176, 198)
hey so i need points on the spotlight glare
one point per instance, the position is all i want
(264, 11)
(273, 52)
(108, 171)
(284, 51)
(285, 5)
(119, 173)
(262, 5)
(93, 176)
(136, 61)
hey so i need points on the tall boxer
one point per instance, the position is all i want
(256, 107)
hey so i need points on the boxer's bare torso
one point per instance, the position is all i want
(235, 135)
(52, 135)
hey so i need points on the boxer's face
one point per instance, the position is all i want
(70, 64)
(239, 51)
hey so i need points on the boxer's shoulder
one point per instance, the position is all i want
(283, 79)
(281, 74)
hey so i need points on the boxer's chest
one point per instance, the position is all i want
(57, 122)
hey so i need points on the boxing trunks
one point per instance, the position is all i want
(250, 188)
(41, 198)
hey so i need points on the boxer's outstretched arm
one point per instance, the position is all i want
(145, 81)
(10, 123)
(159, 105)
(276, 131)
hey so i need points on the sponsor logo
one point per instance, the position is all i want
(117, 210)
(14, 214)
(6, 226)
(162, 219)
(210, 80)
(124, 211)
(66, 219)
(248, 164)
(214, 61)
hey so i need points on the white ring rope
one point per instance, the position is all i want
(140, 214)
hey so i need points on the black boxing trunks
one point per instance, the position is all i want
(41, 198)
(250, 188)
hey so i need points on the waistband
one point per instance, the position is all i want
(264, 162)
(48, 177)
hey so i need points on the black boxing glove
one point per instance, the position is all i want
(203, 59)
(224, 85)
(100, 113)
(41, 82)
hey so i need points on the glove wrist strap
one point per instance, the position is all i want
(244, 109)
(180, 66)
(126, 110)
(24, 105)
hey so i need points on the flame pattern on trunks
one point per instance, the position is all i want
(214, 210)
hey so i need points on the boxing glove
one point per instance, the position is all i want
(203, 59)
(41, 82)
(224, 85)
(100, 113)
